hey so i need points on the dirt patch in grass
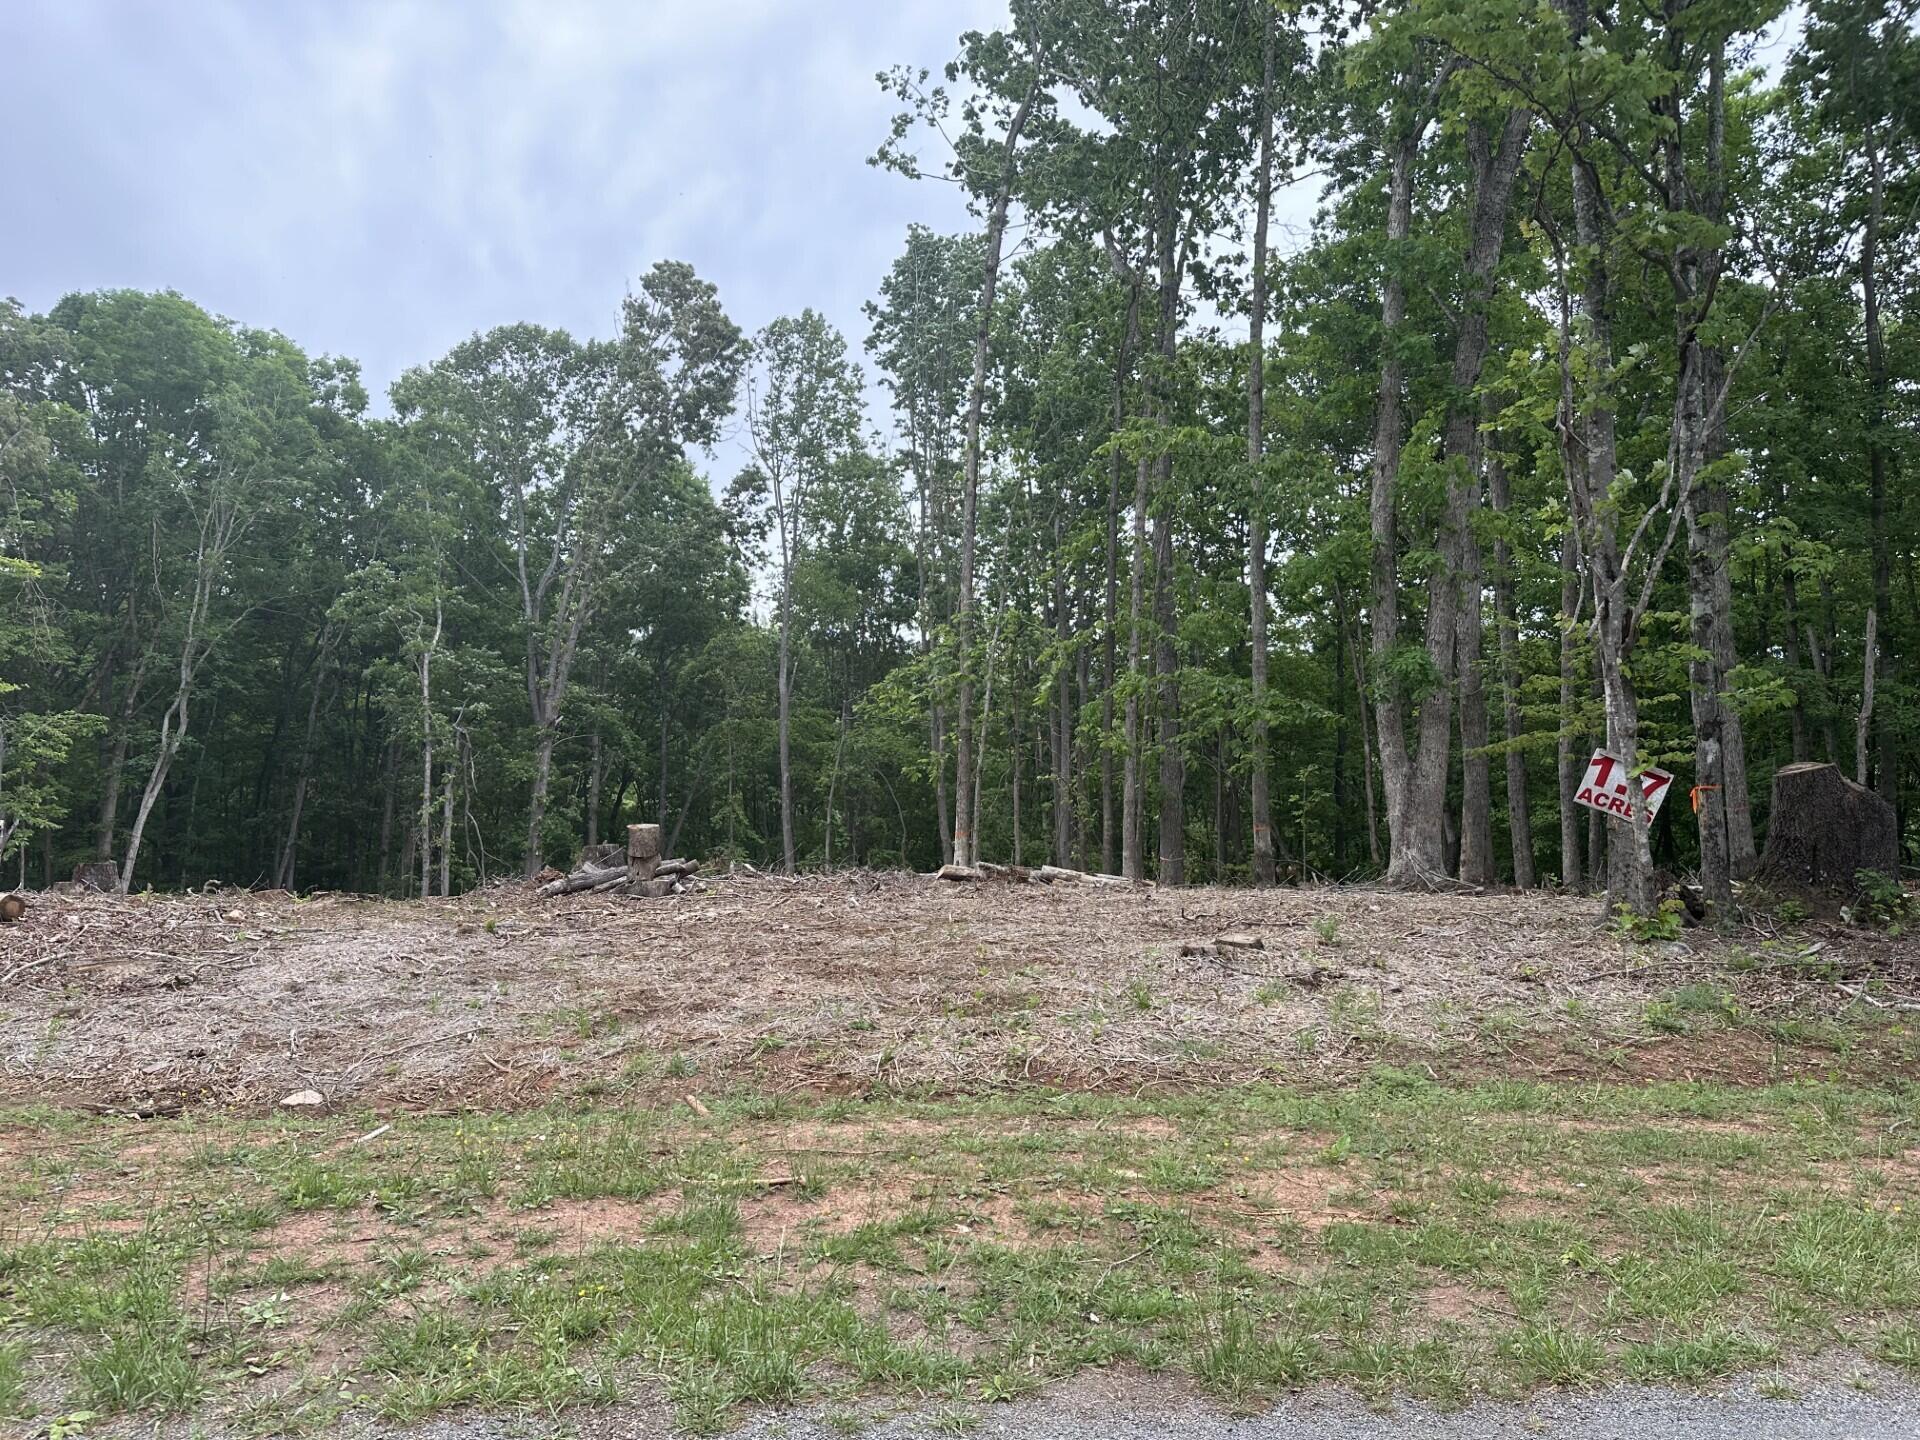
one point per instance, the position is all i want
(856, 985)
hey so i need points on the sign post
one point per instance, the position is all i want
(1604, 787)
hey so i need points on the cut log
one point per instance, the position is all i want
(651, 889)
(1005, 874)
(12, 907)
(583, 880)
(958, 872)
(613, 882)
(1047, 874)
(675, 869)
(599, 857)
(1824, 830)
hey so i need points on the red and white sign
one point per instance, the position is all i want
(1604, 787)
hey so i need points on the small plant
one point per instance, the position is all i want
(1882, 903)
(1327, 929)
(1791, 911)
(1140, 995)
(1664, 924)
(1663, 1017)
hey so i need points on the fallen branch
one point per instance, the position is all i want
(1858, 992)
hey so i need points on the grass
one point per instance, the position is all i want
(1400, 1236)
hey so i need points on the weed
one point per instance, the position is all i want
(147, 1367)
(1881, 903)
(1665, 923)
(1326, 929)
(1547, 1354)
(13, 1379)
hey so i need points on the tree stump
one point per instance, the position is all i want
(643, 851)
(12, 907)
(599, 857)
(99, 875)
(1824, 830)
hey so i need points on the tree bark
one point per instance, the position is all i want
(1063, 702)
(1414, 842)
(1263, 873)
(1133, 860)
(1879, 460)
(1166, 656)
(964, 840)
(1519, 814)
(1477, 866)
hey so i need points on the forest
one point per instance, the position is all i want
(1178, 549)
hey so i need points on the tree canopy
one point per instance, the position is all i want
(1581, 418)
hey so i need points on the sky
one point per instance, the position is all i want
(383, 178)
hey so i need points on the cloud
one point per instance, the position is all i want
(382, 179)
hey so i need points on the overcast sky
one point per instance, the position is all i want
(381, 179)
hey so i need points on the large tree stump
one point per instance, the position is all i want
(643, 851)
(98, 875)
(1824, 830)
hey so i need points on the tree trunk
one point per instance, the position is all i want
(1263, 873)
(1704, 516)
(1630, 857)
(1166, 658)
(537, 809)
(1063, 701)
(114, 768)
(937, 745)
(388, 787)
(173, 732)
(1867, 653)
(1110, 651)
(446, 825)
(787, 854)
(596, 770)
(289, 846)
(1355, 650)
(964, 840)
(1477, 866)
(1519, 814)
(1879, 461)
(1790, 647)
(1415, 839)
(1133, 858)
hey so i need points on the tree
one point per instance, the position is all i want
(571, 437)
(803, 420)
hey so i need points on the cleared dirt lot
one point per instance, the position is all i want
(863, 983)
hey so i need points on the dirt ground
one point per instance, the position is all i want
(862, 982)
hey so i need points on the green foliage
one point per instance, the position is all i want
(1665, 923)
(454, 641)
(1882, 902)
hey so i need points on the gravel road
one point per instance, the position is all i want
(1842, 1401)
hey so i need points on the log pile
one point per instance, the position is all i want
(635, 870)
(1039, 875)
